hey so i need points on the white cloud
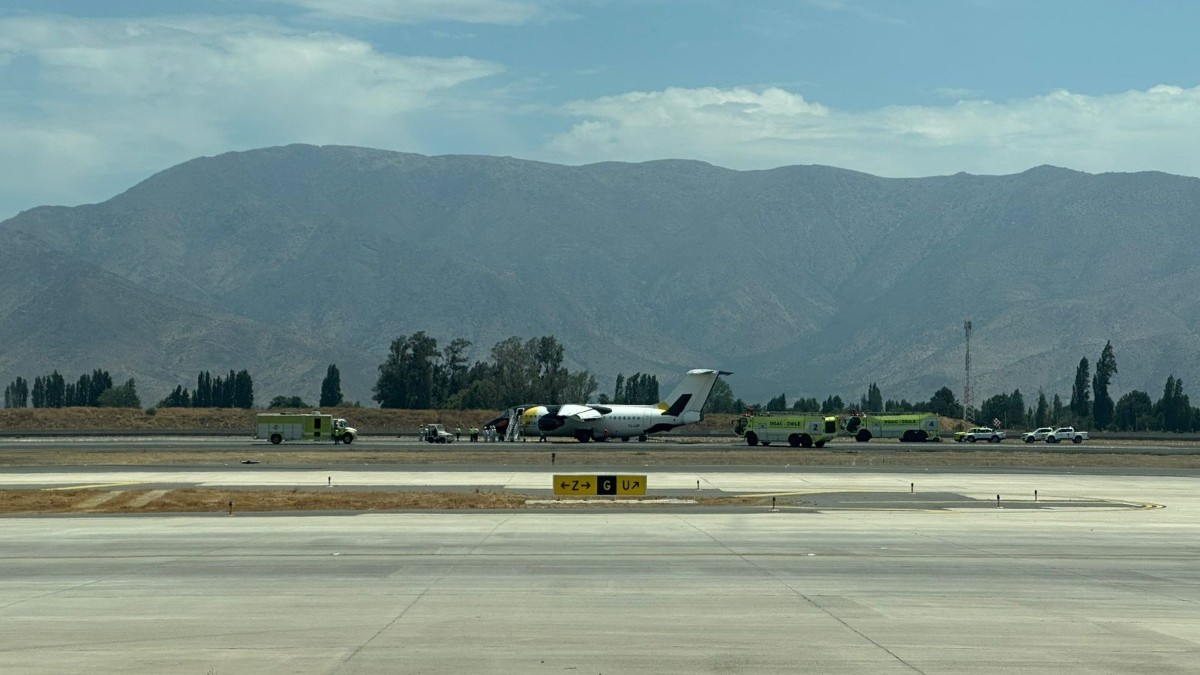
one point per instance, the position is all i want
(742, 128)
(80, 99)
(499, 12)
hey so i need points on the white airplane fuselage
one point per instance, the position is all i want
(596, 421)
(613, 421)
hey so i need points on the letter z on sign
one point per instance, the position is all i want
(571, 484)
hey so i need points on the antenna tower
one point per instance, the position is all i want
(968, 403)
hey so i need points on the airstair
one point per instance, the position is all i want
(513, 432)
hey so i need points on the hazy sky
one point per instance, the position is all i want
(96, 96)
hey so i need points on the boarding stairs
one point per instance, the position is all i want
(513, 432)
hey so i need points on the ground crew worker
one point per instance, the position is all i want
(474, 434)
(457, 433)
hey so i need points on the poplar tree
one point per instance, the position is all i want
(331, 387)
(1081, 403)
(1102, 407)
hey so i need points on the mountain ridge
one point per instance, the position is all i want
(804, 279)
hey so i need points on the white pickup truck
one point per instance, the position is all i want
(980, 434)
(1066, 434)
(1039, 434)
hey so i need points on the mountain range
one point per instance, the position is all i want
(803, 280)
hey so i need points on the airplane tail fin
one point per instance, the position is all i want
(692, 392)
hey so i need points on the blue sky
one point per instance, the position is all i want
(96, 96)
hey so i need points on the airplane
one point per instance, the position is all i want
(600, 422)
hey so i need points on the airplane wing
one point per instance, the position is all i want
(581, 413)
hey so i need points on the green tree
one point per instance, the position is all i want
(406, 378)
(994, 408)
(56, 391)
(640, 389)
(204, 391)
(945, 404)
(16, 395)
(1014, 414)
(720, 399)
(579, 386)
(550, 376)
(1174, 409)
(810, 404)
(1081, 404)
(179, 398)
(1041, 416)
(480, 394)
(1057, 412)
(288, 402)
(451, 373)
(1102, 407)
(1134, 412)
(243, 390)
(873, 400)
(122, 396)
(833, 404)
(515, 372)
(619, 390)
(331, 387)
(777, 404)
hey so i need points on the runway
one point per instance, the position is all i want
(880, 589)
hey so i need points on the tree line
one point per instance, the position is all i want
(234, 391)
(93, 390)
(1090, 405)
(418, 375)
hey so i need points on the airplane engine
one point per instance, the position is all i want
(551, 420)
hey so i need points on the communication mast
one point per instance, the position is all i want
(968, 413)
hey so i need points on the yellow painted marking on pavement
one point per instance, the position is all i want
(100, 498)
(92, 486)
(147, 498)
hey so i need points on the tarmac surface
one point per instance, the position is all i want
(880, 571)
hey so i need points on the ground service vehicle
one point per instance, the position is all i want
(1066, 434)
(436, 433)
(908, 427)
(313, 426)
(1038, 434)
(798, 431)
(980, 434)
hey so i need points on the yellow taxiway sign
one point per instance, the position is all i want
(599, 485)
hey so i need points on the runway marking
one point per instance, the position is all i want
(92, 486)
(99, 499)
(145, 499)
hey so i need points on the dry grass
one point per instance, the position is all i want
(199, 500)
(196, 500)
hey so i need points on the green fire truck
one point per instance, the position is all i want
(314, 426)
(799, 431)
(908, 427)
